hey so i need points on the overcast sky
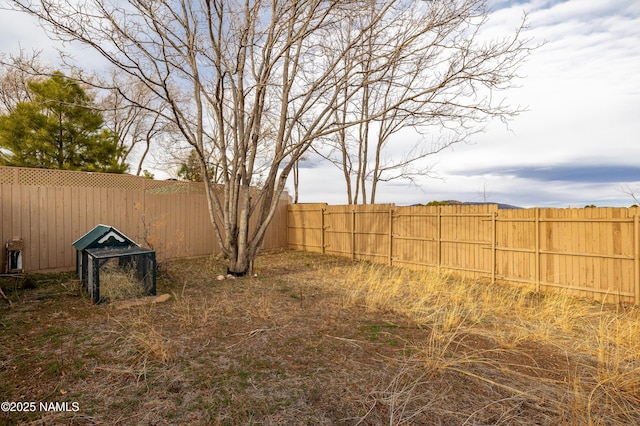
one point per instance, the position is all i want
(577, 144)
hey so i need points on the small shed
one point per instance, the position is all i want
(104, 249)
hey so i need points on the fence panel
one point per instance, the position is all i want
(467, 237)
(591, 252)
(516, 245)
(276, 235)
(339, 228)
(50, 209)
(415, 237)
(304, 227)
(371, 238)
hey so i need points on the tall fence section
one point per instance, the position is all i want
(590, 252)
(50, 209)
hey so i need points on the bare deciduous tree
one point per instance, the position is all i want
(15, 72)
(256, 83)
(441, 81)
(632, 192)
(134, 114)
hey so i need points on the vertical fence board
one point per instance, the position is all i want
(75, 214)
(5, 212)
(47, 243)
(58, 235)
(15, 211)
(33, 244)
(25, 230)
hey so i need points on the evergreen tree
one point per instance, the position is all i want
(58, 129)
(190, 168)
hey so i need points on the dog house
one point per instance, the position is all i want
(105, 251)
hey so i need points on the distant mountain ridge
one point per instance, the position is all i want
(501, 206)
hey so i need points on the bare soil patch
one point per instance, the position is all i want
(295, 346)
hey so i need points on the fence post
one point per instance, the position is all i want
(353, 232)
(636, 258)
(390, 236)
(494, 216)
(537, 259)
(322, 210)
(439, 238)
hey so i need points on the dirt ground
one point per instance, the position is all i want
(282, 348)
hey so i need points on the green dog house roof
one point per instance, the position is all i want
(103, 236)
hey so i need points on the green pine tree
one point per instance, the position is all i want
(190, 168)
(59, 129)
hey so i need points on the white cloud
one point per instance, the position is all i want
(582, 89)
(19, 30)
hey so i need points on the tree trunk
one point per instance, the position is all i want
(269, 80)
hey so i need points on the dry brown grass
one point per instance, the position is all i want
(592, 349)
(320, 340)
(119, 284)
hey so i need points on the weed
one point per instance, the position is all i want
(54, 368)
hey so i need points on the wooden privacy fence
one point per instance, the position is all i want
(591, 252)
(50, 209)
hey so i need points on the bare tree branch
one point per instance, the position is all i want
(429, 69)
(254, 84)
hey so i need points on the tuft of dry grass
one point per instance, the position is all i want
(191, 311)
(119, 284)
(141, 338)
